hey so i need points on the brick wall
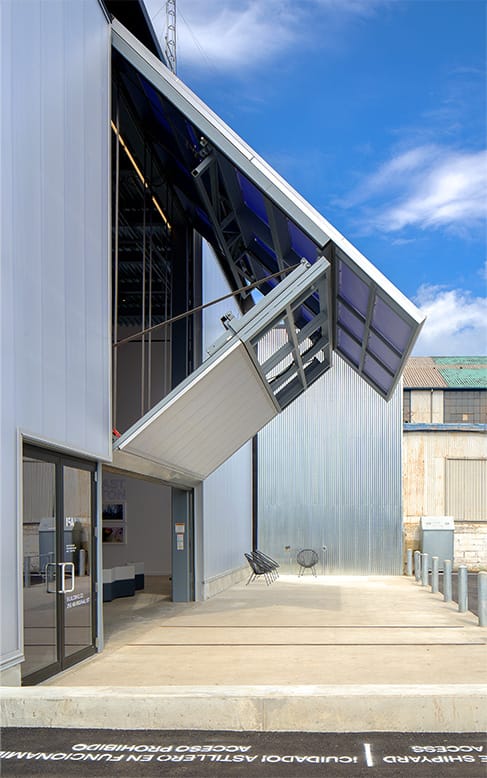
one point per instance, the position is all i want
(471, 544)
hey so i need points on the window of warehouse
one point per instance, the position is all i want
(465, 406)
(466, 489)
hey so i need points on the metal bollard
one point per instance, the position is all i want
(424, 569)
(462, 588)
(27, 571)
(447, 586)
(417, 565)
(435, 565)
(482, 595)
(409, 561)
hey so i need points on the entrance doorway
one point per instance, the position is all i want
(59, 500)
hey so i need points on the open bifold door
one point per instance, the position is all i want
(240, 387)
(257, 226)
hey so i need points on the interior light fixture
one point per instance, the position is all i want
(140, 174)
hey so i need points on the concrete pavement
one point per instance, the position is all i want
(332, 653)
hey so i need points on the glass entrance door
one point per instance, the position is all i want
(76, 573)
(58, 572)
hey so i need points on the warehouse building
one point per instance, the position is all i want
(128, 410)
(445, 451)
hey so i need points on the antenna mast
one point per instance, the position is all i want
(170, 38)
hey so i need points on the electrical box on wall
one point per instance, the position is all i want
(437, 538)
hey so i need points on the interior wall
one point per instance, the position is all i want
(147, 523)
(135, 393)
(54, 294)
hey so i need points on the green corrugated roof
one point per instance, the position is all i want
(465, 378)
(471, 361)
(462, 372)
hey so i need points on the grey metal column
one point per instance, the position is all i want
(409, 561)
(447, 582)
(482, 598)
(462, 588)
(435, 564)
(186, 350)
(182, 546)
(424, 569)
(417, 565)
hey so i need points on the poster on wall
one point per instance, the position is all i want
(114, 512)
(114, 534)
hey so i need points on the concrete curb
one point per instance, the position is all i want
(345, 708)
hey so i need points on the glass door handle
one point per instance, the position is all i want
(46, 574)
(64, 565)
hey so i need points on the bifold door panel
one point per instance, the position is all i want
(241, 386)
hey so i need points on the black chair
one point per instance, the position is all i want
(307, 559)
(267, 560)
(261, 564)
(258, 569)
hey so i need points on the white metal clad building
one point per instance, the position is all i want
(112, 173)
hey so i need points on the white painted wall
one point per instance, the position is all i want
(226, 496)
(54, 210)
(148, 523)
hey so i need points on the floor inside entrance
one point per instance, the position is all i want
(120, 614)
(324, 630)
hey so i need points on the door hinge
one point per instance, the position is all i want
(95, 475)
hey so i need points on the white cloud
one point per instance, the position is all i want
(426, 187)
(231, 34)
(456, 322)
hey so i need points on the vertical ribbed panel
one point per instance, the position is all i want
(462, 502)
(329, 470)
(226, 493)
(54, 249)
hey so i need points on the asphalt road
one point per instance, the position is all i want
(194, 754)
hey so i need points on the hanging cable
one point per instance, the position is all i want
(255, 284)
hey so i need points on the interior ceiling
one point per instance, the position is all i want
(256, 224)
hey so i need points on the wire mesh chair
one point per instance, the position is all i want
(307, 559)
(268, 562)
(260, 564)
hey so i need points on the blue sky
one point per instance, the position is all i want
(375, 111)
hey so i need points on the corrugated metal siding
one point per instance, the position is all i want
(466, 489)
(329, 473)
